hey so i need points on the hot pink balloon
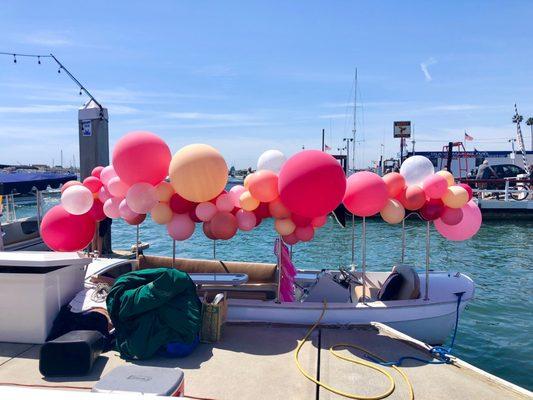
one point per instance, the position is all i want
(92, 183)
(452, 216)
(291, 239)
(125, 211)
(235, 193)
(111, 207)
(180, 227)
(246, 220)
(97, 171)
(225, 202)
(103, 194)
(97, 211)
(107, 174)
(117, 187)
(465, 229)
(468, 190)
(141, 197)
(301, 221)
(141, 157)
(318, 222)
(206, 211)
(305, 233)
(366, 194)
(435, 186)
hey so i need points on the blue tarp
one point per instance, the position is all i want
(24, 182)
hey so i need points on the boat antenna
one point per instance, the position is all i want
(517, 118)
(354, 130)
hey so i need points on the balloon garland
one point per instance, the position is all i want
(298, 193)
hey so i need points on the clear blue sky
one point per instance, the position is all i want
(246, 76)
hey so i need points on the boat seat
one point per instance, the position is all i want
(371, 292)
(410, 288)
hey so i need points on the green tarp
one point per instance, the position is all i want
(151, 308)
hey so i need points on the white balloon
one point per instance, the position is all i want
(415, 169)
(271, 160)
(77, 200)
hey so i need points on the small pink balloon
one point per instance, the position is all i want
(107, 174)
(246, 220)
(291, 239)
(139, 219)
(77, 200)
(180, 227)
(141, 197)
(465, 229)
(235, 193)
(68, 184)
(111, 207)
(225, 203)
(206, 211)
(435, 186)
(103, 194)
(366, 194)
(117, 188)
(97, 171)
(92, 183)
(318, 222)
(125, 211)
(452, 216)
(304, 233)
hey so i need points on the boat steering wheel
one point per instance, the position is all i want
(349, 276)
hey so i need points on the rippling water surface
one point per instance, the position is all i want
(495, 331)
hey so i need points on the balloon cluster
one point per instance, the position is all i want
(417, 188)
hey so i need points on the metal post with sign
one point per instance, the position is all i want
(402, 130)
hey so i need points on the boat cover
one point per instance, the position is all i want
(24, 182)
(151, 308)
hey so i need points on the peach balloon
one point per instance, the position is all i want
(247, 180)
(198, 172)
(395, 183)
(284, 226)
(393, 212)
(161, 213)
(264, 186)
(248, 202)
(449, 177)
(164, 191)
(412, 198)
(278, 210)
(455, 197)
(117, 187)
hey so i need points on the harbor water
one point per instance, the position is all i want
(495, 329)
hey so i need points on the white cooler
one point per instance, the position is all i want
(34, 285)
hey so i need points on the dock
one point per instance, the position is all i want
(257, 362)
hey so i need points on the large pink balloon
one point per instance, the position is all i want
(111, 207)
(235, 193)
(141, 157)
(246, 220)
(466, 228)
(311, 183)
(366, 194)
(125, 211)
(107, 174)
(62, 231)
(117, 187)
(180, 227)
(206, 211)
(141, 197)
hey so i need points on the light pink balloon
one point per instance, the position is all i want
(117, 188)
(225, 202)
(180, 227)
(111, 207)
(305, 233)
(141, 197)
(465, 229)
(125, 211)
(77, 199)
(318, 222)
(103, 194)
(107, 174)
(206, 211)
(246, 220)
(235, 193)
(435, 186)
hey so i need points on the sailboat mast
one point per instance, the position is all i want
(354, 130)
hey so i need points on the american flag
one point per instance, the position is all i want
(468, 138)
(326, 147)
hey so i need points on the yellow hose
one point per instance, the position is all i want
(374, 366)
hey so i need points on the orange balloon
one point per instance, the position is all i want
(247, 180)
(278, 210)
(284, 226)
(448, 176)
(247, 201)
(198, 172)
(164, 192)
(412, 198)
(395, 183)
(264, 185)
(393, 212)
(455, 197)
(161, 213)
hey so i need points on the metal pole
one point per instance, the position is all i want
(427, 262)
(278, 295)
(214, 249)
(323, 142)
(39, 208)
(403, 240)
(352, 266)
(173, 253)
(137, 242)
(290, 251)
(363, 254)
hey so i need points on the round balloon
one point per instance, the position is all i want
(366, 194)
(395, 183)
(111, 207)
(412, 198)
(103, 194)
(68, 184)
(278, 210)
(224, 225)
(455, 197)
(97, 171)
(180, 205)
(301, 221)
(97, 211)
(246, 220)
(393, 212)
(311, 183)
(164, 191)
(62, 231)
(141, 197)
(248, 202)
(77, 199)
(198, 172)
(304, 233)
(126, 212)
(465, 229)
(206, 211)
(284, 226)
(137, 220)
(452, 216)
(224, 203)
(206, 227)
(318, 222)
(468, 190)
(432, 209)
(448, 176)
(107, 173)
(92, 183)
(264, 186)
(435, 186)
(415, 169)
(235, 193)
(271, 160)
(161, 213)
(262, 211)
(117, 187)
(291, 239)
(141, 157)
(180, 227)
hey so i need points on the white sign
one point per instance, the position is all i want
(402, 129)
(86, 128)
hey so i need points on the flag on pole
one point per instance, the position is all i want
(327, 148)
(468, 138)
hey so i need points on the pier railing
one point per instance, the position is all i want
(511, 188)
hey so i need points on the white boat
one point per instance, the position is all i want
(428, 318)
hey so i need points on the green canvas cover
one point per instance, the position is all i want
(151, 308)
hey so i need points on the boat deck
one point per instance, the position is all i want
(257, 362)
